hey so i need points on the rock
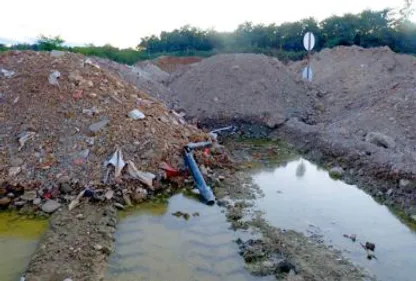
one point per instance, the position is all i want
(413, 217)
(5, 201)
(285, 266)
(37, 201)
(94, 128)
(203, 170)
(14, 171)
(140, 195)
(80, 216)
(19, 203)
(404, 183)
(57, 54)
(136, 114)
(10, 195)
(389, 192)
(336, 172)
(50, 206)
(380, 140)
(119, 206)
(370, 246)
(65, 188)
(221, 178)
(67, 279)
(29, 195)
(16, 162)
(75, 77)
(98, 247)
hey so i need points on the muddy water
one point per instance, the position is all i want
(152, 244)
(19, 238)
(303, 197)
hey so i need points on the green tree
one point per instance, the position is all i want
(50, 43)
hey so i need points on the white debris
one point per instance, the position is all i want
(117, 161)
(7, 73)
(53, 78)
(90, 62)
(136, 114)
(144, 177)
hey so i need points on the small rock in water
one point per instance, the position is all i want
(336, 172)
(50, 206)
(370, 246)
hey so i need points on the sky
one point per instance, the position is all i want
(123, 22)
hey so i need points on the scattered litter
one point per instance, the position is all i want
(75, 202)
(353, 237)
(126, 197)
(7, 73)
(370, 246)
(119, 206)
(90, 141)
(144, 177)
(109, 194)
(117, 161)
(53, 78)
(91, 112)
(136, 114)
(24, 137)
(94, 128)
(16, 100)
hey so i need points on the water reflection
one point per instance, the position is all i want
(315, 204)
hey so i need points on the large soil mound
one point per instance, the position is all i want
(68, 126)
(237, 86)
(366, 90)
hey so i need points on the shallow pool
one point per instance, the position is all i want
(303, 197)
(19, 238)
(152, 244)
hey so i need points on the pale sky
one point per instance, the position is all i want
(123, 22)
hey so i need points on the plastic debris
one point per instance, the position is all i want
(16, 100)
(117, 161)
(144, 177)
(91, 112)
(7, 73)
(24, 137)
(53, 78)
(119, 206)
(75, 202)
(136, 114)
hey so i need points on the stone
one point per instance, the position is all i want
(94, 128)
(29, 195)
(380, 140)
(57, 54)
(19, 203)
(14, 171)
(119, 206)
(5, 201)
(65, 188)
(136, 114)
(80, 216)
(16, 162)
(37, 201)
(404, 183)
(413, 217)
(98, 247)
(50, 206)
(336, 172)
(390, 192)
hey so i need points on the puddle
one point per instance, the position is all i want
(19, 238)
(301, 196)
(152, 244)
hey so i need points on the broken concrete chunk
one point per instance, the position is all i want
(380, 140)
(136, 114)
(50, 206)
(94, 128)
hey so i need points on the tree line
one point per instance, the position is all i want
(367, 29)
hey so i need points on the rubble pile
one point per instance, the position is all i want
(70, 126)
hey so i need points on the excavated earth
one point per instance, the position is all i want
(356, 114)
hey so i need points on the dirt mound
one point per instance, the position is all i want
(366, 90)
(237, 86)
(173, 64)
(63, 116)
(146, 76)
